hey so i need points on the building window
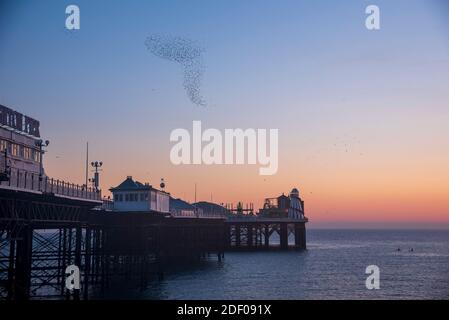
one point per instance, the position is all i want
(127, 197)
(15, 150)
(4, 145)
(153, 196)
(27, 153)
(37, 156)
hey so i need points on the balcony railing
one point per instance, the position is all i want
(247, 217)
(198, 213)
(30, 181)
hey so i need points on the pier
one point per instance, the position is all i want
(43, 232)
(255, 233)
(47, 225)
(30, 259)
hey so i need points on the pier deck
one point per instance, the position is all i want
(41, 233)
(257, 233)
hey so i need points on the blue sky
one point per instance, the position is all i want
(310, 68)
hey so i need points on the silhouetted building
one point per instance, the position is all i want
(296, 208)
(20, 138)
(132, 195)
(284, 207)
(182, 209)
(212, 210)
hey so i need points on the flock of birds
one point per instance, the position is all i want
(188, 54)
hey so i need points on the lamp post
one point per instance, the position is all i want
(41, 145)
(162, 184)
(5, 175)
(96, 179)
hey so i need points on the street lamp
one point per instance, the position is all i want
(96, 179)
(162, 184)
(5, 175)
(41, 145)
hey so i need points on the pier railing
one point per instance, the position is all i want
(255, 218)
(29, 181)
(198, 213)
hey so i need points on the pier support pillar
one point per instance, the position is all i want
(237, 236)
(12, 249)
(23, 263)
(87, 263)
(267, 235)
(76, 292)
(303, 233)
(62, 258)
(250, 236)
(300, 236)
(284, 236)
(227, 240)
(297, 236)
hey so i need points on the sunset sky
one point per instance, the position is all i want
(363, 116)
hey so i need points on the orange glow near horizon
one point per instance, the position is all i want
(350, 189)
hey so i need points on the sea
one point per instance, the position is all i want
(412, 264)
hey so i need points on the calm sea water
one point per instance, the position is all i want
(333, 267)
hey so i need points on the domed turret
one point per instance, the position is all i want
(296, 210)
(294, 193)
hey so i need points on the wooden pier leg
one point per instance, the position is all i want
(60, 277)
(284, 236)
(67, 259)
(63, 258)
(237, 236)
(69, 247)
(160, 263)
(97, 255)
(227, 240)
(267, 236)
(303, 233)
(300, 236)
(76, 292)
(87, 263)
(23, 263)
(105, 262)
(12, 250)
(92, 255)
(249, 235)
